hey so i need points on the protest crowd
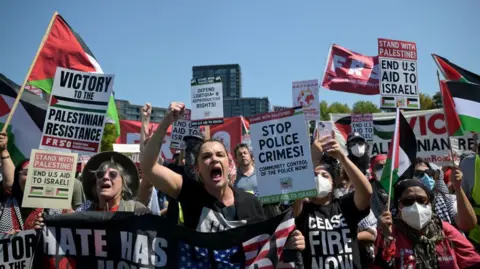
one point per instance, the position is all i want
(290, 198)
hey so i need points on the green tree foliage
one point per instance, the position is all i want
(426, 102)
(324, 114)
(363, 107)
(109, 137)
(437, 100)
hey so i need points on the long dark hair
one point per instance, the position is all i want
(16, 190)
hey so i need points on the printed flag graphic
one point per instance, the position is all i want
(461, 102)
(26, 127)
(401, 155)
(65, 48)
(452, 71)
(62, 192)
(36, 190)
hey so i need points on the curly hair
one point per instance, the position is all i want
(127, 194)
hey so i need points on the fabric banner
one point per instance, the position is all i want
(230, 132)
(123, 240)
(428, 126)
(348, 71)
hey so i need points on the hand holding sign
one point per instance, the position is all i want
(39, 221)
(3, 141)
(175, 111)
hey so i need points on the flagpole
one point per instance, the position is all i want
(394, 155)
(446, 122)
(20, 92)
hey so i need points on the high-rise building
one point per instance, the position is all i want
(129, 111)
(230, 74)
(246, 106)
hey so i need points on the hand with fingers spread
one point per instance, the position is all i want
(175, 111)
(295, 241)
(385, 223)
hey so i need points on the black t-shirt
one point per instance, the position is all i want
(193, 197)
(331, 233)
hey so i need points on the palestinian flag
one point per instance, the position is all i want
(461, 102)
(65, 48)
(25, 130)
(35, 190)
(382, 128)
(401, 154)
(62, 192)
(452, 71)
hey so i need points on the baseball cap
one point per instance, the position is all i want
(355, 136)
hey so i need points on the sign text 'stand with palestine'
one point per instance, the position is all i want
(207, 101)
(283, 162)
(398, 74)
(77, 111)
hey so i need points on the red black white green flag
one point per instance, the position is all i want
(65, 48)
(401, 154)
(452, 71)
(461, 102)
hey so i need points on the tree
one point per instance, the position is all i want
(426, 102)
(337, 107)
(109, 137)
(437, 100)
(363, 107)
(324, 114)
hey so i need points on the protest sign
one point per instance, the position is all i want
(77, 110)
(17, 250)
(247, 140)
(283, 162)
(50, 180)
(429, 129)
(123, 240)
(305, 94)
(181, 128)
(130, 150)
(207, 101)
(398, 74)
(280, 108)
(363, 124)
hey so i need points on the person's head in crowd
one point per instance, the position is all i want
(377, 164)
(110, 177)
(212, 165)
(424, 173)
(177, 158)
(192, 145)
(324, 183)
(358, 151)
(243, 156)
(20, 179)
(413, 200)
(341, 184)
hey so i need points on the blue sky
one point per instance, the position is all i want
(151, 46)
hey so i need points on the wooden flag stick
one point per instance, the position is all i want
(452, 156)
(20, 92)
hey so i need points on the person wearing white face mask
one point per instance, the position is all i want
(417, 238)
(358, 151)
(330, 225)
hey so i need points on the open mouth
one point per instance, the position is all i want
(105, 186)
(216, 173)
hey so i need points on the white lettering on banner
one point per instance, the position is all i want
(330, 242)
(355, 68)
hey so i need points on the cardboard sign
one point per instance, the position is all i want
(181, 128)
(398, 74)
(50, 180)
(363, 124)
(305, 94)
(283, 162)
(77, 111)
(18, 249)
(207, 101)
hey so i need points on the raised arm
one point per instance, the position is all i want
(164, 179)
(8, 168)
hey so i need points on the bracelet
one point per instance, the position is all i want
(4, 158)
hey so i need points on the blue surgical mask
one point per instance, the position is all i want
(428, 181)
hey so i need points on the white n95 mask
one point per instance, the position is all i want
(324, 186)
(357, 150)
(416, 215)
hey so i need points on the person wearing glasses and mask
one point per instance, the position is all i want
(110, 182)
(416, 237)
(454, 209)
(358, 152)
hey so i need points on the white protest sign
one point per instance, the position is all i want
(305, 94)
(247, 140)
(18, 250)
(363, 124)
(77, 111)
(207, 101)
(181, 128)
(130, 150)
(283, 162)
(50, 180)
(398, 74)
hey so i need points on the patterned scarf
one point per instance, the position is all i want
(379, 199)
(424, 246)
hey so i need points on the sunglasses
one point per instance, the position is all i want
(421, 173)
(411, 201)
(23, 172)
(110, 174)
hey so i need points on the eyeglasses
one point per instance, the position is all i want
(421, 173)
(111, 174)
(23, 172)
(411, 201)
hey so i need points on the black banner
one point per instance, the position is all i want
(123, 240)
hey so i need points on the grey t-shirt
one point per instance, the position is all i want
(246, 183)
